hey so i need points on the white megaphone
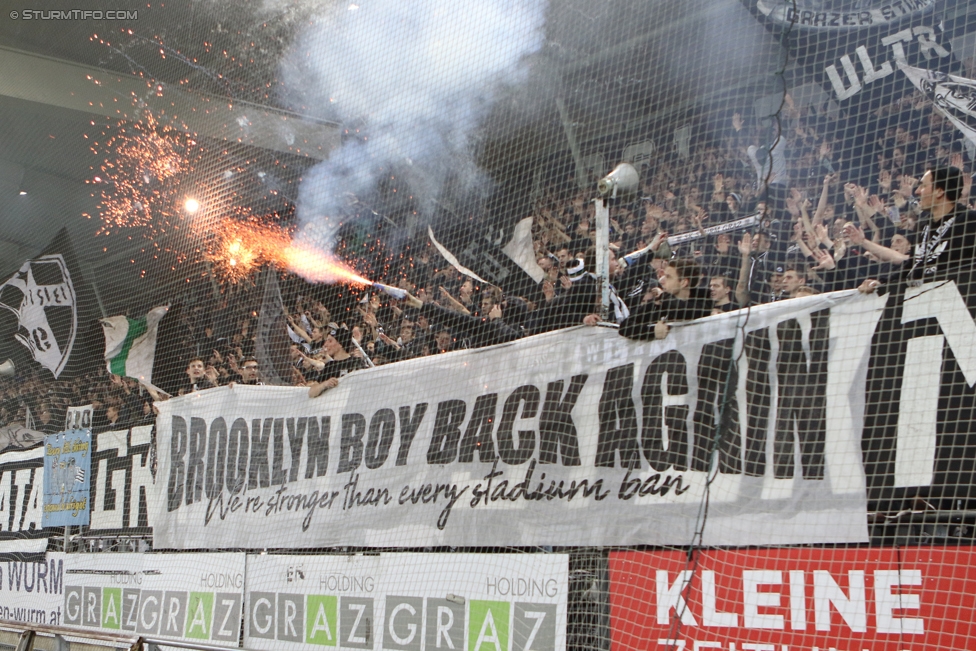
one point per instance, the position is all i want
(7, 369)
(623, 180)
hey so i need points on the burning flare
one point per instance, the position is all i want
(143, 183)
(244, 246)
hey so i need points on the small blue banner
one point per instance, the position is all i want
(67, 476)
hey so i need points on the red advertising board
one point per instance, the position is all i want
(795, 599)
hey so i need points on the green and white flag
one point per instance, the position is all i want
(130, 344)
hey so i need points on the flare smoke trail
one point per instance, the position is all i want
(415, 79)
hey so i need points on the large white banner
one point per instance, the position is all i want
(33, 592)
(22, 505)
(122, 494)
(194, 597)
(576, 437)
(122, 491)
(407, 602)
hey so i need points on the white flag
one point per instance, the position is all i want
(520, 250)
(453, 260)
(130, 344)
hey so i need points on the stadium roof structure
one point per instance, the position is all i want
(607, 76)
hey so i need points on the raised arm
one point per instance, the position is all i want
(805, 219)
(860, 197)
(299, 330)
(822, 204)
(883, 253)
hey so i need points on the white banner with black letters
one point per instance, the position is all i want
(122, 491)
(22, 505)
(576, 437)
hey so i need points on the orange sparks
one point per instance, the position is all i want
(147, 163)
(149, 180)
(242, 247)
(315, 266)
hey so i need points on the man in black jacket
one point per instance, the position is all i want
(249, 372)
(581, 303)
(338, 343)
(681, 298)
(571, 307)
(498, 327)
(947, 233)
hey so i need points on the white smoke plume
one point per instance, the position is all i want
(415, 79)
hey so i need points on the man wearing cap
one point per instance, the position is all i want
(580, 303)
(337, 345)
(734, 202)
(569, 308)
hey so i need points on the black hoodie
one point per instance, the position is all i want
(640, 324)
(481, 331)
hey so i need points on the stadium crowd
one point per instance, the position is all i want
(830, 207)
